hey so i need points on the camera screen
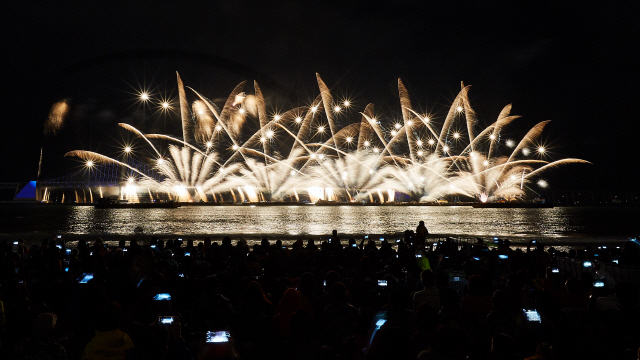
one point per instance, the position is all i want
(476, 258)
(162, 296)
(555, 270)
(533, 241)
(59, 246)
(15, 243)
(153, 246)
(532, 315)
(354, 245)
(166, 320)
(187, 254)
(85, 278)
(586, 264)
(324, 283)
(503, 257)
(598, 284)
(418, 254)
(217, 336)
(381, 239)
(382, 282)
(59, 236)
(366, 236)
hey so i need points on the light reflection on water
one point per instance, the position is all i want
(559, 223)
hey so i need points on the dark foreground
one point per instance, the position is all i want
(375, 300)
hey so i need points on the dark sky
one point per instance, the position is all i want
(575, 65)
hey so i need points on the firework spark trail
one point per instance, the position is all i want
(405, 105)
(327, 100)
(365, 127)
(187, 122)
(262, 117)
(450, 117)
(140, 134)
(96, 158)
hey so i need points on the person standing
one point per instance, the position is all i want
(421, 233)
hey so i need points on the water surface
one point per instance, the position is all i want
(35, 221)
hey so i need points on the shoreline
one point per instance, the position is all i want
(288, 239)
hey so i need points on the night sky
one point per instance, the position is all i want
(574, 65)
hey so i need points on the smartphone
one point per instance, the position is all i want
(284, 248)
(598, 284)
(532, 315)
(59, 246)
(59, 236)
(124, 249)
(555, 270)
(17, 270)
(354, 245)
(381, 239)
(165, 320)
(218, 336)
(587, 264)
(162, 296)
(181, 275)
(418, 254)
(396, 256)
(66, 269)
(534, 241)
(503, 257)
(476, 258)
(615, 261)
(382, 283)
(84, 278)
(456, 278)
(324, 283)
(179, 239)
(366, 237)
(187, 254)
(68, 251)
(398, 240)
(91, 253)
(153, 246)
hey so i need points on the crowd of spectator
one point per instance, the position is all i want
(410, 298)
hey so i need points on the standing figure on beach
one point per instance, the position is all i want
(421, 233)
